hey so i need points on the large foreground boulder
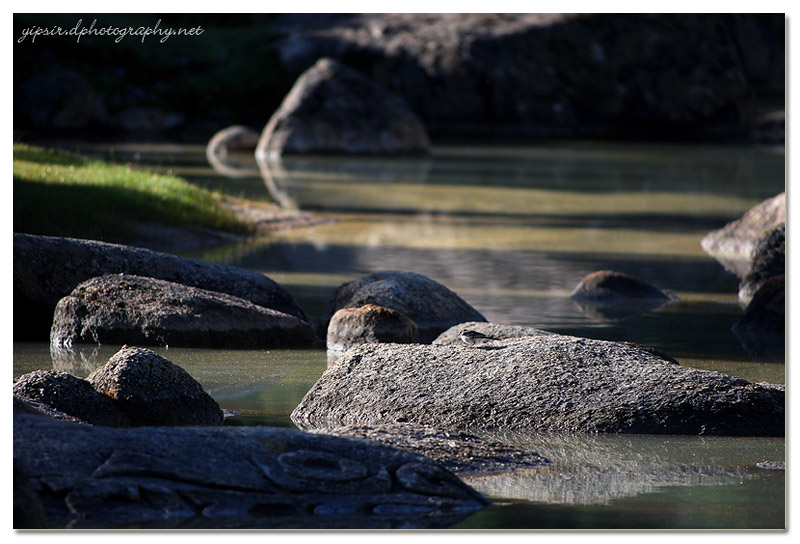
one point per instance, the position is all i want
(47, 268)
(433, 307)
(126, 309)
(547, 383)
(228, 477)
(733, 244)
(335, 109)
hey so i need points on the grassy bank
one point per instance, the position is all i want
(62, 194)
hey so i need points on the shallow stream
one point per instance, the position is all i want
(512, 230)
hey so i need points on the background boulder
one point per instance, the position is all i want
(334, 109)
(126, 309)
(369, 324)
(48, 268)
(432, 306)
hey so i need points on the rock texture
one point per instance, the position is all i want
(369, 324)
(228, 477)
(151, 390)
(432, 306)
(126, 309)
(733, 244)
(70, 395)
(548, 383)
(558, 75)
(47, 268)
(334, 109)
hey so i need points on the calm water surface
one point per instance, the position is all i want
(512, 229)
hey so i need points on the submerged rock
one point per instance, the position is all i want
(611, 286)
(151, 390)
(335, 109)
(48, 268)
(607, 295)
(733, 244)
(126, 309)
(226, 477)
(369, 324)
(70, 395)
(432, 306)
(547, 383)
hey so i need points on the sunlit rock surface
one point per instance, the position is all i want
(551, 383)
(733, 244)
(48, 268)
(432, 306)
(127, 309)
(369, 324)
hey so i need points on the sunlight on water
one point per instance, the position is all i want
(512, 230)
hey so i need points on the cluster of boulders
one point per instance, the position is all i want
(136, 387)
(418, 369)
(754, 249)
(85, 291)
(83, 458)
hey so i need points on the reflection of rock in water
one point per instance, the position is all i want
(295, 177)
(272, 173)
(604, 312)
(599, 469)
(81, 360)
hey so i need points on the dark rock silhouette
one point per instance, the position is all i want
(334, 109)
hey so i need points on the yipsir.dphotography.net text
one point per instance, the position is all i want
(119, 33)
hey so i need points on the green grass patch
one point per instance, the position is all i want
(63, 194)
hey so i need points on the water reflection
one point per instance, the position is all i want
(598, 469)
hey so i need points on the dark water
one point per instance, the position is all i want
(512, 230)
